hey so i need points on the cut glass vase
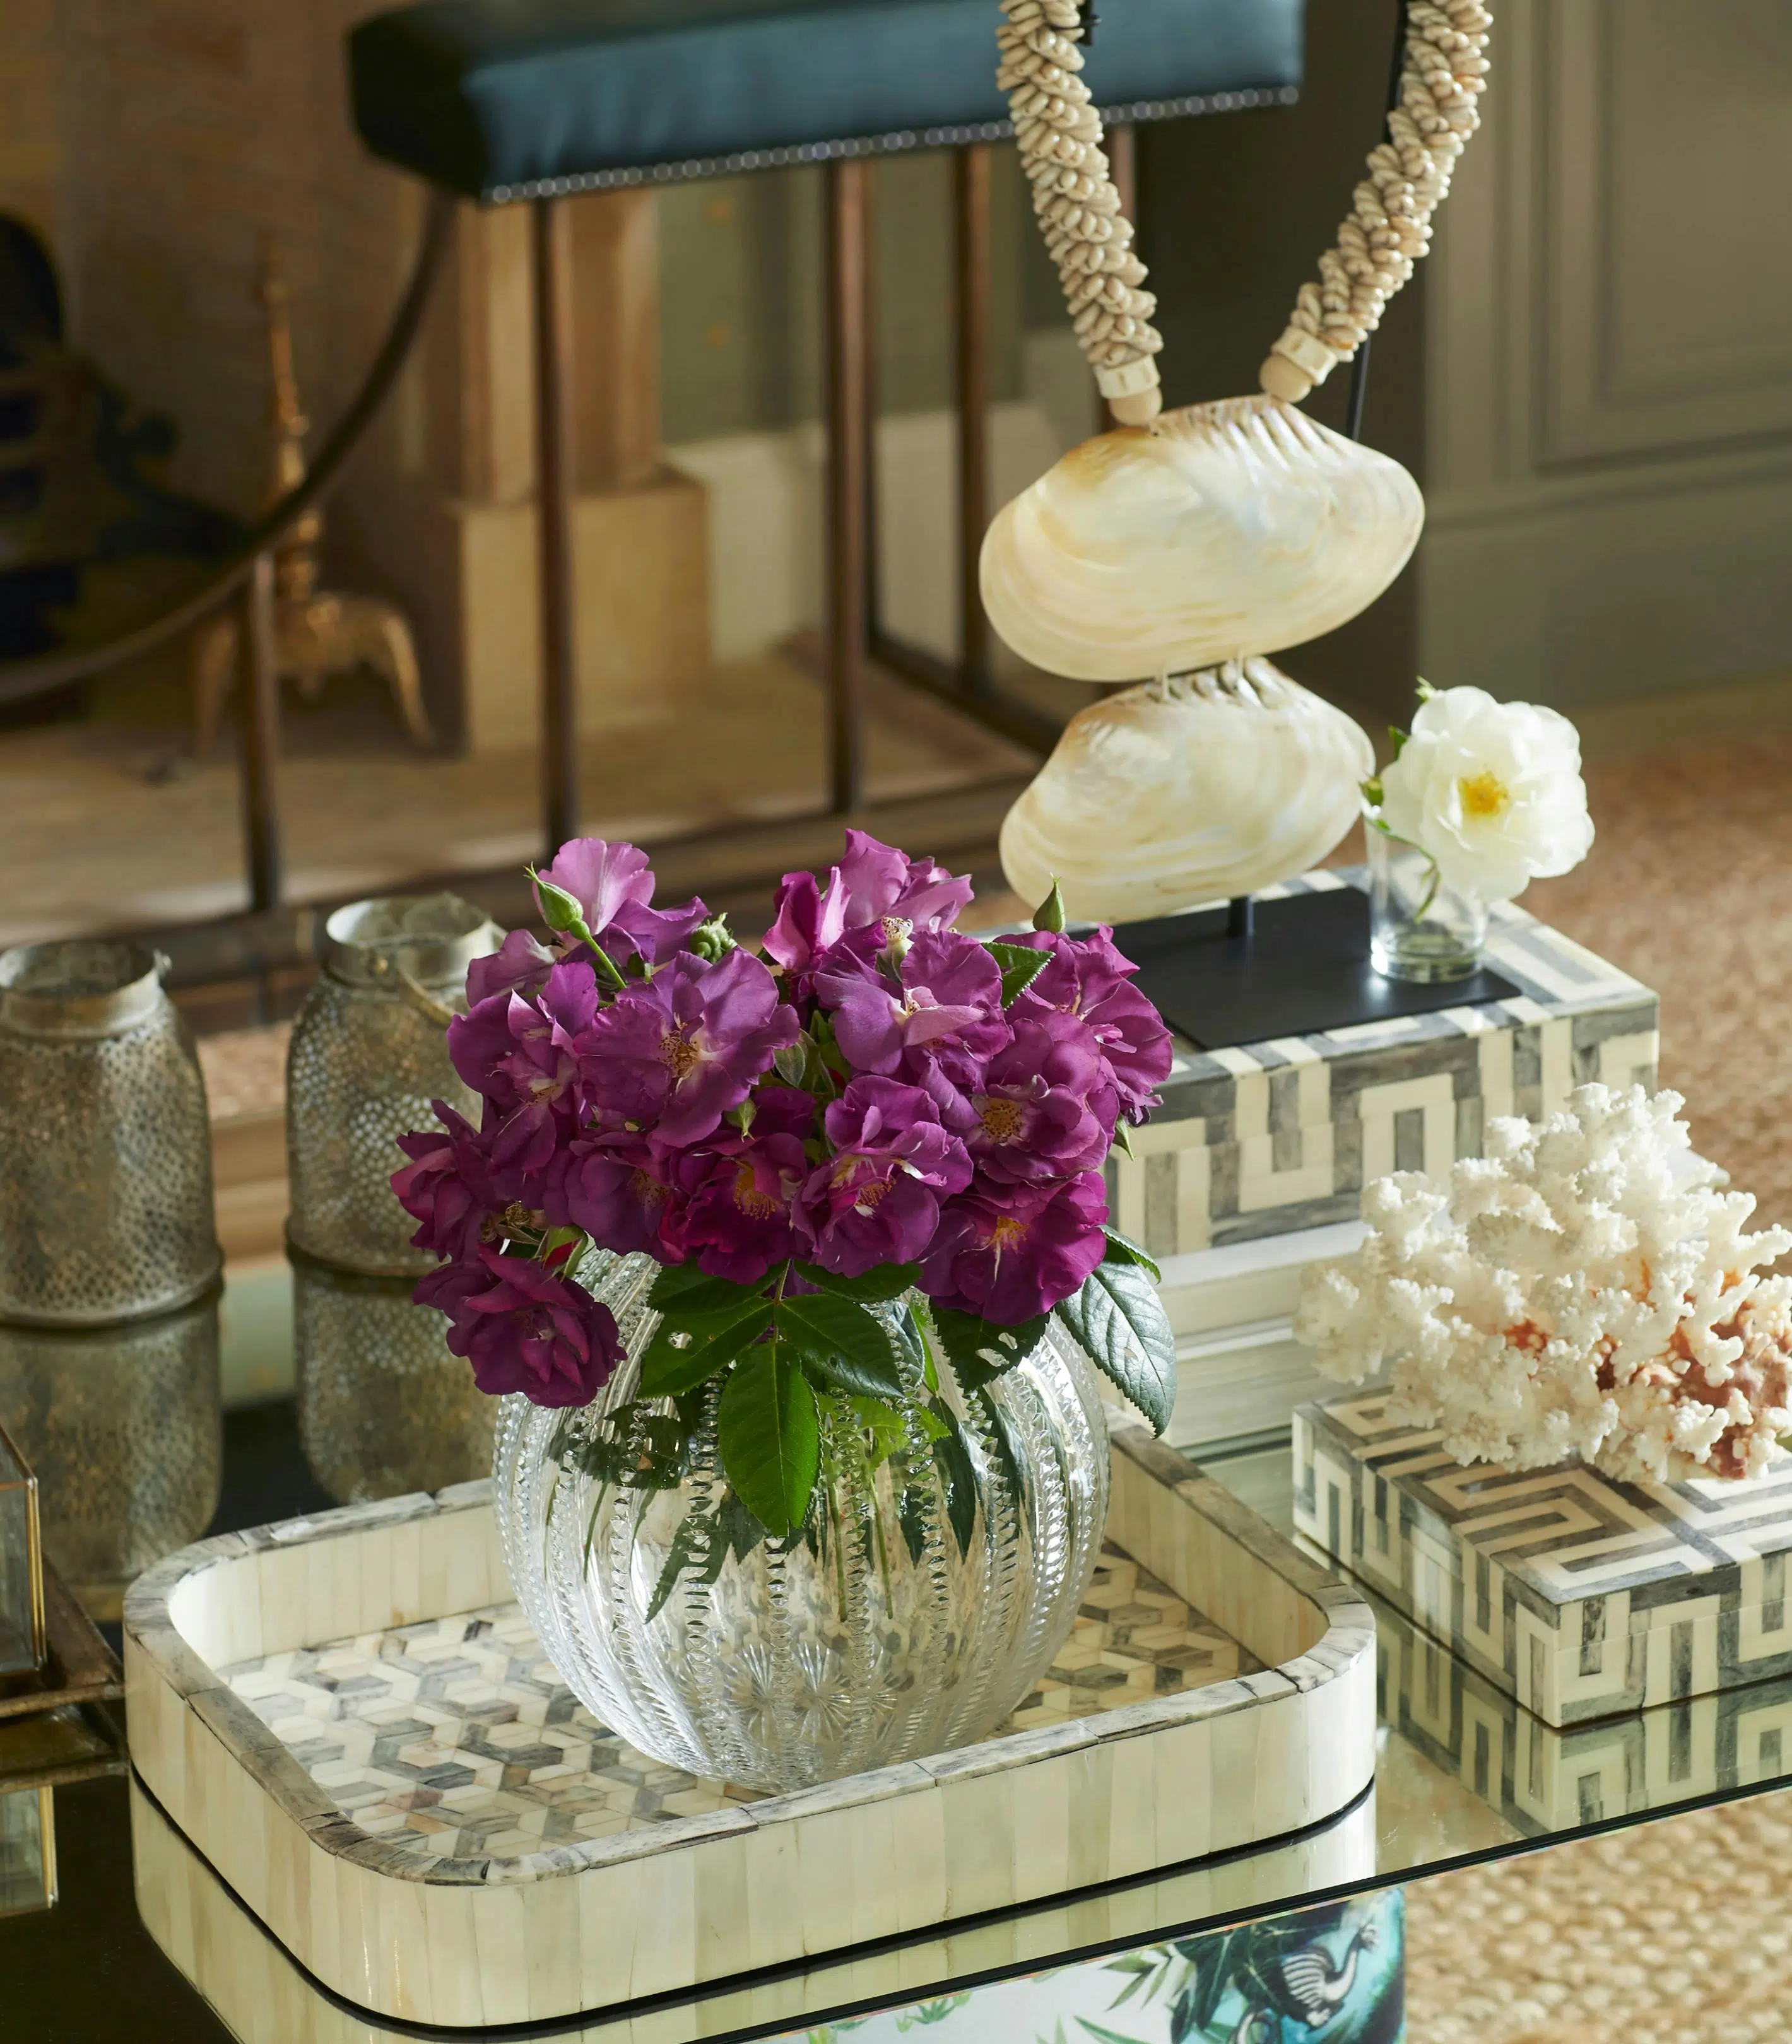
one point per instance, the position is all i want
(870, 1639)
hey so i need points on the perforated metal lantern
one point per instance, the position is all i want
(368, 1056)
(122, 1427)
(106, 1163)
(383, 1408)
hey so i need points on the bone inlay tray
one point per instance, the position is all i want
(457, 1738)
(347, 1717)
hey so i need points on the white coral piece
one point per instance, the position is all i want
(1584, 1288)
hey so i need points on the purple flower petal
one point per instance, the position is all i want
(1008, 1253)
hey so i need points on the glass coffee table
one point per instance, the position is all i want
(1299, 1937)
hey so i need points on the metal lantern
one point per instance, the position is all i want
(122, 1426)
(383, 1408)
(106, 1196)
(367, 1057)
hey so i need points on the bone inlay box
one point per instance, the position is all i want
(438, 1917)
(1581, 1596)
(1280, 1136)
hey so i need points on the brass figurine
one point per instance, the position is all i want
(317, 632)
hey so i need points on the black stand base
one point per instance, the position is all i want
(1255, 970)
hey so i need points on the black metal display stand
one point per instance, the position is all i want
(1287, 967)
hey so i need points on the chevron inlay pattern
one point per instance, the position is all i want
(457, 1736)
(1579, 1595)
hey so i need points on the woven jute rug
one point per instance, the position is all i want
(1686, 887)
(1680, 1930)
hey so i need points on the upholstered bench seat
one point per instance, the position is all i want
(500, 98)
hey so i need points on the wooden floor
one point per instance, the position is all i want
(110, 822)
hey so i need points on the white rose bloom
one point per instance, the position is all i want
(1492, 791)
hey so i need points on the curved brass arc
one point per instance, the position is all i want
(19, 678)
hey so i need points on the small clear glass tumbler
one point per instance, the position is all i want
(1419, 929)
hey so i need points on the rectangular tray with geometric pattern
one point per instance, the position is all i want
(346, 1717)
(1580, 1595)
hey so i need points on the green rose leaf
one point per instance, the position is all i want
(889, 1281)
(770, 1440)
(958, 1477)
(1020, 965)
(1123, 1249)
(681, 1290)
(1004, 1440)
(683, 1354)
(978, 1350)
(848, 1343)
(699, 1544)
(1119, 1320)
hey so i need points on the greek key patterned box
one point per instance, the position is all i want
(1284, 1134)
(1543, 1778)
(1580, 1597)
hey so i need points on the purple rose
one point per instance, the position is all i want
(1088, 977)
(677, 1052)
(520, 1055)
(877, 1199)
(739, 1220)
(620, 1190)
(945, 995)
(1035, 1109)
(518, 965)
(1008, 1253)
(447, 1186)
(613, 885)
(874, 883)
(525, 1328)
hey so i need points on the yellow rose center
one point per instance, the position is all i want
(677, 1053)
(1484, 795)
(1007, 1234)
(749, 1199)
(1001, 1118)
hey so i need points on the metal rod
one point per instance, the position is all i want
(848, 348)
(995, 711)
(261, 737)
(552, 247)
(1241, 916)
(1360, 368)
(970, 207)
(28, 677)
(1122, 147)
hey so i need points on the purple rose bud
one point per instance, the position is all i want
(525, 1328)
(447, 1187)
(1088, 977)
(613, 885)
(1040, 1107)
(1008, 1253)
(877, 1199)
(675, 1053)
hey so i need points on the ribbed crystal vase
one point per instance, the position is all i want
(871, 1638)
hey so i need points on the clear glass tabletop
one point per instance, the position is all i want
(143, 1940)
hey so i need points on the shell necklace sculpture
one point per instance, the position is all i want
(1180, 548)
